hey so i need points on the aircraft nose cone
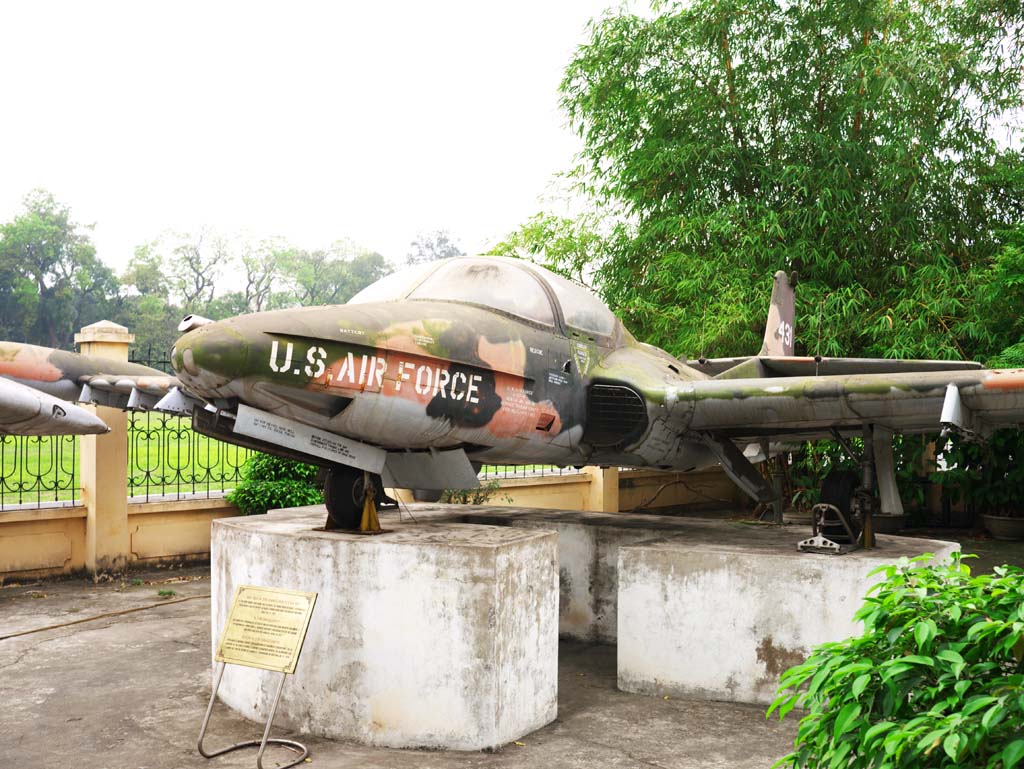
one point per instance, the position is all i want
(210, 356)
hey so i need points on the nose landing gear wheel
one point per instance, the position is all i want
(344, 493)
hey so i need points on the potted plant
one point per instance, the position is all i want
(990, 477)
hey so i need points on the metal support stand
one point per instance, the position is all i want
(292, 745)
(778, 478)
(838, 543)
(868, 483)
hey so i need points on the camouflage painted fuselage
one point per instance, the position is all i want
(429, 374)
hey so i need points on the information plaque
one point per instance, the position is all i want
(266, 628)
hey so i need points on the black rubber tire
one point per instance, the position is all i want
(344, 494)
(837, 489)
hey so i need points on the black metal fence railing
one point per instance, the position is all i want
(38, 470)
(501, 472)
(166, 457)
(154, 358)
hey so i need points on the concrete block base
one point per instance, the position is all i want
(722, 620)
(436, 635)
(588, 554)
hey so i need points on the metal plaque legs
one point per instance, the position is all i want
(297, 747)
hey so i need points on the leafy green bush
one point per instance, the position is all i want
(935, 680)
(477, 496)
(989, 475)
(272, 482)
(816, 459)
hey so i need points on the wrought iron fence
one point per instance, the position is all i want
(154, 358)
(37, 471)
(501, 472)
(167, 458)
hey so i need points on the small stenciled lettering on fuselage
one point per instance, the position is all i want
(367, 371)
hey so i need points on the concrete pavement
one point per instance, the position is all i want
(128, 691)
(127, 688)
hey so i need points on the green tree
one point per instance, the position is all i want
(146, 307)
(262, 266)
(1001, 288)
(854, 142)
(194, 262)
(570, 246)
(227, 305)
(145, 272)
(51, 282)
(328, 276)
(430, 246)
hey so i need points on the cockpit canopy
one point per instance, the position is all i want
(510, 286)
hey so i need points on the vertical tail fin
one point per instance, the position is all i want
(778, 335)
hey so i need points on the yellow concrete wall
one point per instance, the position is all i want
(52, 541)
(550, 492)
(42, 542)
(704, 488)
(163, 530)
(636, 488)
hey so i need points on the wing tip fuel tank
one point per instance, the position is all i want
(26, 411)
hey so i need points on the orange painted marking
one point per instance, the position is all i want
(502, 356)
(31, 364)
(1012, 379)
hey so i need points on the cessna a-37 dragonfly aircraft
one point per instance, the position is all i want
(470, 360)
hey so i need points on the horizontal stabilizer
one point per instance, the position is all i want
(803, 366)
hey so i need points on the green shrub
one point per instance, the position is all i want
(934, 681)
(477, 496)
(988, 476)
(271, 482)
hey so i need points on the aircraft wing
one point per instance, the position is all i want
(27, 411)
(753, 366)
(70, 376)
(156, 392)
(975, 401)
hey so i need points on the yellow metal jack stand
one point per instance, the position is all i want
(370, 524)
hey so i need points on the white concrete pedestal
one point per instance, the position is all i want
(588, 557)
(588, 553)
(722, 620)
(439, 635)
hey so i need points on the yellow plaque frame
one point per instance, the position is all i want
(266, 628)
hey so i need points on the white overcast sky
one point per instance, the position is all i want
(308, 120)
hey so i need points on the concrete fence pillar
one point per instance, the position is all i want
(604, 489)
(104, 462)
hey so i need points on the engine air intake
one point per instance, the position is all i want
(616, 415)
